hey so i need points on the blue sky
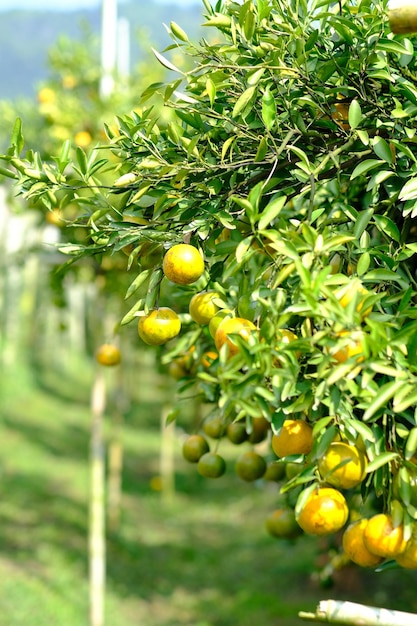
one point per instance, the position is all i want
(73, 4)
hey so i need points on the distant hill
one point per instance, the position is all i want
(26, 36)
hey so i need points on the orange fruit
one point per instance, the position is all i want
(208, 358)
(182, 365)
(214, 427)
(260, 429)
(236, 432)
(340, 115)
(46, 95)
(229, 327)
(159, 326)
(202, 307)
(282, 524)
(183, 264)
(275, 471)
(194, 447)
(343, 466)
(352, 346)
(211, 465)
(285, 336)
(382, 538)
(295, 437)
(83, 138)
(250, 466)
(408, 558)
(217, 319)
(354, 545)
(55, 218)
(108, 354)
(354, 290)
(324, 512)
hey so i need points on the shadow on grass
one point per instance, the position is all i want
(203, 559)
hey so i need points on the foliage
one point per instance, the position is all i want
(289, 158)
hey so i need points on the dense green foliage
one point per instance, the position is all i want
(287, 153)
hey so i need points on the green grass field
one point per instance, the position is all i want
(201, 558)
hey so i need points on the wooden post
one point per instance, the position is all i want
(352, 614)
(97, 542)
(108, 46)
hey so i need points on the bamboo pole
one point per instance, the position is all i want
(166, 459)
(97, 544)
(353, 614)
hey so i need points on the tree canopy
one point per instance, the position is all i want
(286, 154)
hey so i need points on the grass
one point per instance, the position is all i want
(200, 558)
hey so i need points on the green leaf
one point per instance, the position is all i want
(384, 395)
(355, 114)
(382, 149)
(388, 226)
(139, 280)
(17, 140)
(409, 190)
(404, 403)
(365, 166)
(178, 32)
(271, 211)
(243, 100)
(411, 445)
(362, 221)
(163, 61)
(380, 274)
(269, 109)
(382, 459)
(211, 90)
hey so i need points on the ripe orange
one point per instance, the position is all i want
(233, 326)
(354, 545)
(217, 319)
(382, 538)
(340, 115)
(83, 138)
(354, 290)
(55, 218)
(46, 95)
(343, 466)
(324, 512)
(282, 524)
(159, 326)
(208, 358)
(250, 466)
(202, 307)
(183, 264)
(285, 336)
(352, 346)
(211, 465)
(295, 437)
(194, 447)
(408, 558)
(108, 354)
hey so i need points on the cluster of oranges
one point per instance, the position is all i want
(321, 508)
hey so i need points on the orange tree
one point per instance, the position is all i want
(287, 174)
